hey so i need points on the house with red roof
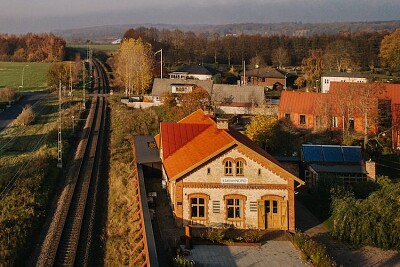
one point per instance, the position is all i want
(214, 175)
(340, 107)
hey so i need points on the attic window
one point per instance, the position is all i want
(259, 171)
(208, 170)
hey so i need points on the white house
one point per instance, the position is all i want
(353, 77)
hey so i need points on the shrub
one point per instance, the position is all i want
(215, 235)
(7, 94)
(26, 117)
(313, 251)
(182, 262)
(252, 236)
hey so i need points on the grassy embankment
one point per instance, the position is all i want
(28, 175)
(123, 217)
(34, 75)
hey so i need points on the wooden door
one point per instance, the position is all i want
(273, 212)
(261, 215)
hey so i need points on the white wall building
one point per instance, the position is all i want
(354, 77)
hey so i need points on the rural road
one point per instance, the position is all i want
(7, 116)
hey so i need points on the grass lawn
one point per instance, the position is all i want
(35, 75)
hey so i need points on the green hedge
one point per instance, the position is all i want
(373, 221)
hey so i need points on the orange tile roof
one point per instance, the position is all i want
(187, 144)
(299, 102)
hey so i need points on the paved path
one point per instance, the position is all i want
(344, 254)
(271, 254)
(7, 116)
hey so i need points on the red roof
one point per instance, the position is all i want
(196, 139)
(177, 135)
(299, 102)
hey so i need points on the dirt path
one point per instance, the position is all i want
(344, 254)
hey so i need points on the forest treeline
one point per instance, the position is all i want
(190, 48)
(31, 47)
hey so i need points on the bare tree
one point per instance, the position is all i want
(367, 104)
(280, 57)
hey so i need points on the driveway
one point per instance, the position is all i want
(271, 254)
(343, 253)
(10, 114)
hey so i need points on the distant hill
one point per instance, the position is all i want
(112, 32)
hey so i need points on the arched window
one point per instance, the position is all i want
(239, 168)
(228, 168)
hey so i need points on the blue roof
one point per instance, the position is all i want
(331, 153)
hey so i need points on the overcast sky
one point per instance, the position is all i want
(21, 16)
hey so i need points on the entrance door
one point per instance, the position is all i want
(272, 214)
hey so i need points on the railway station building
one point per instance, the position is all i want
(216, 176)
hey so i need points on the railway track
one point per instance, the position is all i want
(69, 234)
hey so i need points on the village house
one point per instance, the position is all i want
(236, 99)
(350, 77)
(198, 72)
(216, 176)
(319, 112)
(178, 86)
(271, 78)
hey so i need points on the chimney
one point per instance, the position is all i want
(209, 111)
(370, 168)
(222, 124)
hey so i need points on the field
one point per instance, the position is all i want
(95, 47)
(34, 75)
(28, 176)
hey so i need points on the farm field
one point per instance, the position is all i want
(95, 47)
(35, 75)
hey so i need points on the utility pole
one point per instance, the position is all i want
(84, 84)
(70, 79)
(161, 64)
(59, 143)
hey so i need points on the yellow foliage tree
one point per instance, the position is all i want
(260, 129)
(390, 49)
(134, 63)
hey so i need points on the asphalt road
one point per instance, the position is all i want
(10, 114)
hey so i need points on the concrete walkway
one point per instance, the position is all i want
(271, 254)
(343, 253)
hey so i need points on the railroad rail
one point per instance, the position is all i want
(68, 236)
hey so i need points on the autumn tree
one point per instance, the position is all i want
(134, 64)
(312, 67)
(299, 82)
(58, 71)
(199, 98)
(280, 57)
(390, 49)
(260, 129)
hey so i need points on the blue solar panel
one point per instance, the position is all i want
(312, 153)
(332, 153)
(352, 154)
